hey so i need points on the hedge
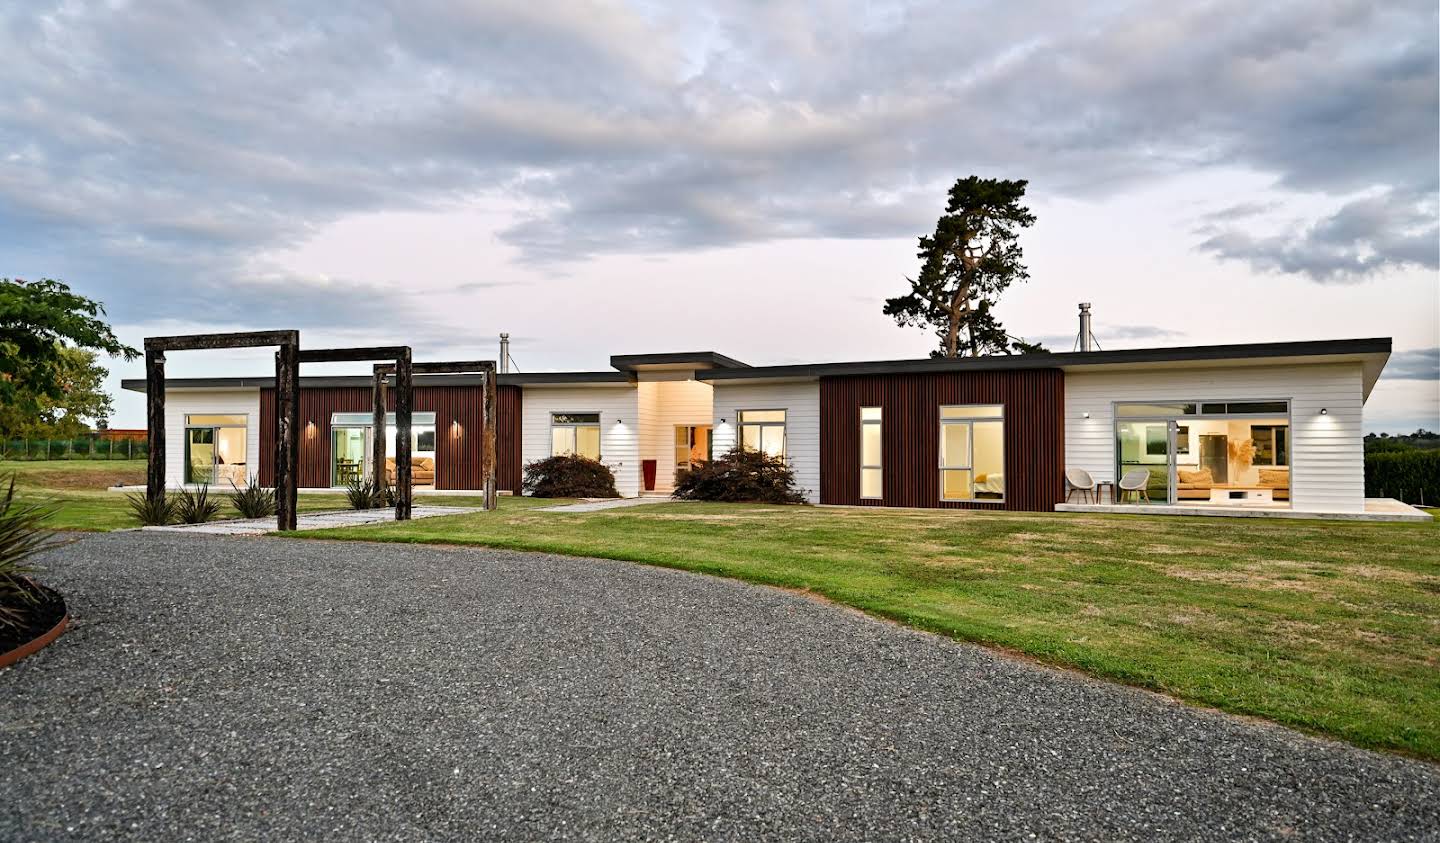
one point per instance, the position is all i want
(1410, 476)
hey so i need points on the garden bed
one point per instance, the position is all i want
(45, 620)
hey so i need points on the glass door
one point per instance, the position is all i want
(1147, 446)
(200, 455)
(351, 455)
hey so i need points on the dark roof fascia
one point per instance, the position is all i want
(323, 381)
(702, 359)
(1064, 360)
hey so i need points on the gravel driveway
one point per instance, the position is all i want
(253, 688)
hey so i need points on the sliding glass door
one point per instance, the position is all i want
(1147, 446)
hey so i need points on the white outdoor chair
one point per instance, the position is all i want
(1136, 482)
(1079, 480)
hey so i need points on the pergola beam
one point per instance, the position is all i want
(488, 447)
(400, 354)
(287, 408)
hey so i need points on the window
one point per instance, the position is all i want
(575, 433)
(871, 478)
(215, 449)
(692, 446)
(1272, 444)
(972, 453)
(763, 430)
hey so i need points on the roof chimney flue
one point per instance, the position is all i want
(1086, 340)
(504, 353)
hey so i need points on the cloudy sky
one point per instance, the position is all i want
(749, 177)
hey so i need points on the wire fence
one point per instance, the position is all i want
(82, 448)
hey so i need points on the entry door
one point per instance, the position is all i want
(692, 447)
(350, 455)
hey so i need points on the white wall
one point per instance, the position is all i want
(179, 402)
(669, 400)
(801, 403)
(619, 411)
(1327, 457)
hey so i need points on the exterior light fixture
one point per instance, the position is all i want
(1084, 415)
(455, 429)
(310, 429)
(1324, 411)
(722, 421)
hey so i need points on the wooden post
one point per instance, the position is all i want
(287, 423)
(488, 445)
(378, 442)
(403, 405)
(155, 422)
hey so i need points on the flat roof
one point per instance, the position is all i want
(1371, 353)
(675, 360)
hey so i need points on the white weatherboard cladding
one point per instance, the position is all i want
(182, 402)
(801, 403)
(667, 402)
(1327, 458)
(618, 407)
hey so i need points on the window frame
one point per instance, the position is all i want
(214, 443)
(969, 422)
(574, 428)
(879, 465)
(783, 424)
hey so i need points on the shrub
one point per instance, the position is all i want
(156, 513)
(195, 506)
(741, 475)
(1412, 476)
(569, 476)
(21, 537)
(253, 501)
(363, 494)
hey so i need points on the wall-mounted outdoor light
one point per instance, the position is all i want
(310, 429)
(1324, 411)
(455, 429)
(1084, 415)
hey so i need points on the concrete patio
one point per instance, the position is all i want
(1376, 509)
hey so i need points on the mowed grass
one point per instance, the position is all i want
(77, 490)
(1328, 626)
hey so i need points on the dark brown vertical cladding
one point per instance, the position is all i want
(459, 420)
(1034, 402)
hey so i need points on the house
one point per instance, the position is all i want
(1259, 427)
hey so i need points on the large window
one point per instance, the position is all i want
(215, 449)
(872, 480)
(575, 433)
(763, 430)
(972, 452)
(1272, 444)
(352, 436)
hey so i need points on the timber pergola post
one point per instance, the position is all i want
(287, 408)
(486, 368)
(400, 354)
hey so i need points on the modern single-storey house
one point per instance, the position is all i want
(1274, 426)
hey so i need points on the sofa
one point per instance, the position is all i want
(422, 471)
(1195, 484)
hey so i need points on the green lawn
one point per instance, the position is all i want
(77, 489)
(1332, 627)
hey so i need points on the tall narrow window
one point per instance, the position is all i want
(763, 430)
(575, 433)
(972, 453)
(871, 477)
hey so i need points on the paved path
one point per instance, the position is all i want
(611, 503)
(310, 520)
(262, 689)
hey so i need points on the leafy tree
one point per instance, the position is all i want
(973, 256)
(39, 322)
(82, 399)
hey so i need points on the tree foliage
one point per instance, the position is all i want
(39, 322)
(973, 256)
(82, 400)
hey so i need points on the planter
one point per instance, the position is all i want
(45, 635)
